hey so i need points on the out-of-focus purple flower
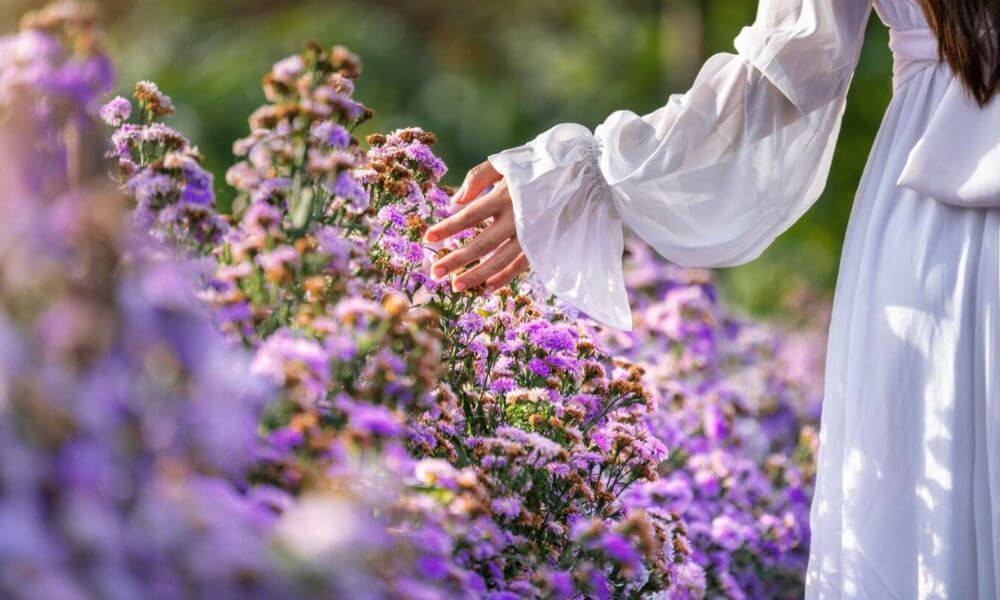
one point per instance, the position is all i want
(291, 359)
(332, 134)
(432, 567)
(346, 187)
(508, 508)
(369, 418)
(288, 69)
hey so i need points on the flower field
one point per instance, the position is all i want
(279, 401)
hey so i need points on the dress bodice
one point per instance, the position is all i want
(956, 158)
(901, 15)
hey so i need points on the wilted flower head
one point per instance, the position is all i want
(152, 100)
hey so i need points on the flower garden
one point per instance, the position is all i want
(277, 400)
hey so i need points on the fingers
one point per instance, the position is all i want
(500, 230)
(507, 274)
(471, 215)
(478, 179)
(505, 254)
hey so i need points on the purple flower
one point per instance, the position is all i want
(261, 218)
(470, 323)
(197, 185)
(426, 159)
(370, 418)
(551, 338)
(271, 189)
(509, 508)
(619, 549)
(433, 567)
(403, 250)
(561, 582)
(537, 366)
(284, 439)
(332, 134)
(278, 258)
(392, 215)
(728, 533)
(502, 385)
(116, 111)
(234, 312)
(347, 187)
(286, 357)
(288, 69)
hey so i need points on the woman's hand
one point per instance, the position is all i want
(499, 237)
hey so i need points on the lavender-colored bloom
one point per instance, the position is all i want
(370, 419)
(728, 533)
(470, 323)
(284, 439)
(619, 549)
(278, 258)
(261, 218)
(561, 582)
(332, 134)
(346, 186)
(551, 338)
(424, 157)
(502, 385)
(288, 69)
(537, 366)
(392, 215)
(116, 111)
(509, 508)
(432, 567)
(439, 199)
(287, 357)
(403, 250)
(147, 186)
(197, 185)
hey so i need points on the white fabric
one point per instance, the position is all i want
(957, 160)
(907, 503)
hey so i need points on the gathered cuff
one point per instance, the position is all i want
(567, 222)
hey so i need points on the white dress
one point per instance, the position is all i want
(907, 503)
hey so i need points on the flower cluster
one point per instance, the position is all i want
(162, 171)
(532, 432)
(125, 421)
(739, 424)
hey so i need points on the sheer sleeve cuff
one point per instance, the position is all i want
(567, 222)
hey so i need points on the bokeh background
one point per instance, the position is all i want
(487, 75)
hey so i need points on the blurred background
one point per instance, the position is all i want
(487, 75)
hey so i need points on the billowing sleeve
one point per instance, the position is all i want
(710, 179)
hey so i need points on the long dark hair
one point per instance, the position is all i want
(969, 35)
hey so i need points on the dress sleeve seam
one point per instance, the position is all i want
(595, 176)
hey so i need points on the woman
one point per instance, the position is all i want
(907, 503)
